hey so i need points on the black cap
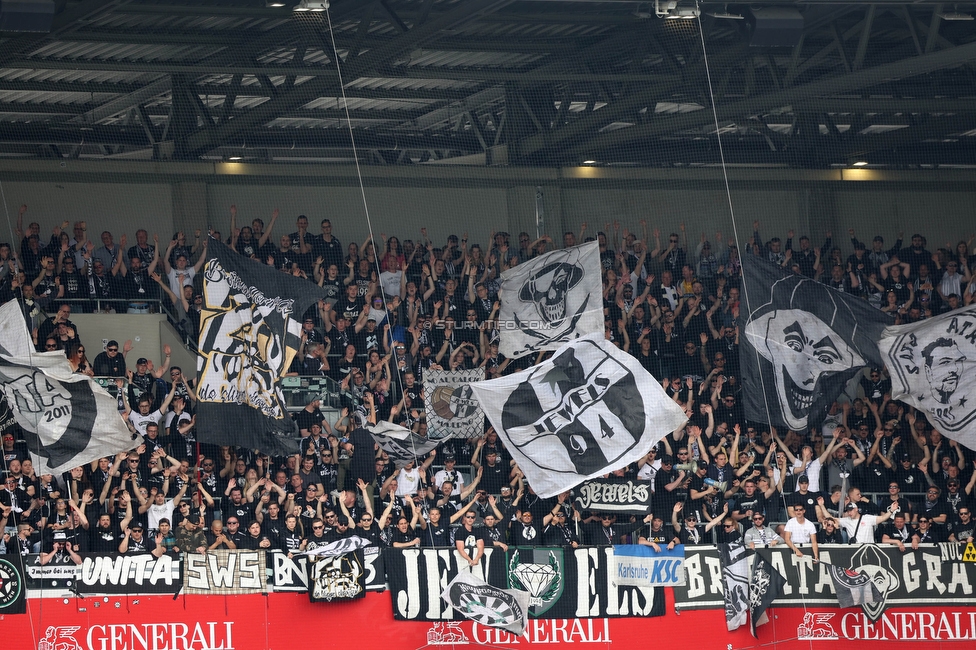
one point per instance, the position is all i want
(803, 479)
(850, 506)
(141, 360)
(702, 464)
(905, 457)
(666, 459)
(193, 518)
(135, 525)
(112, 343)
(448, 457)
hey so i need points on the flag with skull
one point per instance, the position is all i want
(932, 368)
(587, 411)
(803, 342)
(553, 299)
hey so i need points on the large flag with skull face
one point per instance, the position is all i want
(933, 367)
(803, 342)
(553, 299)
(249, 333)
(57, 408)
(588, 410)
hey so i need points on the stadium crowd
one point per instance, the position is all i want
(397, 308)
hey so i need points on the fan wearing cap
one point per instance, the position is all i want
(860, 528)
(61, 552)
(803, 496)
(143, 415)
(109, 363)
(909, 476)
(449, 473)
(142, 382)
(135, 541)
(657, 534)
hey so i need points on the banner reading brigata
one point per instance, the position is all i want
(933, 573)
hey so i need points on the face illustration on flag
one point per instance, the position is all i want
(550, 300)
(807, 341)
(588, 410)
(933, 367)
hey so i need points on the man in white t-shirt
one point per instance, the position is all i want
(861, 527)
(800, 530)
(141, 417)
(449, 474)
(161, 507)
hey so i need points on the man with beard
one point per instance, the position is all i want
(943, 366)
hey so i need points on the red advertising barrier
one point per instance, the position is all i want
(279, 620)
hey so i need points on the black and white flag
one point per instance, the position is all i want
(765, 586)
(853, 588)
(734, 560)
(933, 367)
(486, 604)
(249, 333)
(399, 443)
(803, 342)
(586, 411)
(67, 418)
(337, 578)
(452, 410)
(338, 547)
(553, 299)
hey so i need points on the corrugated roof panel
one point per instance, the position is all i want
(450, 59)
(88, 51)
(357, 103)
(326, 123)
(387, 83)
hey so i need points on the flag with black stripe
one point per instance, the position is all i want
(803, 342)
(765, 585)
(56, 407)
(250, 330)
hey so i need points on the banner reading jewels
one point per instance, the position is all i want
(932, 573)
(626, 498)
(562, 582)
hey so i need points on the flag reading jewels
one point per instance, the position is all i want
(249, 333)
(56, 407)
(586, 411)
(933, 367)
(553, 299)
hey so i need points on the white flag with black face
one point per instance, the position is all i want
(588, 410)
(57, 408)
(486, 604)
(550, 300)
(803, 342)
(933, 368)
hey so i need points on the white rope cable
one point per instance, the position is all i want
(369, 225)
(735, 234)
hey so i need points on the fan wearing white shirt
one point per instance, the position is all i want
(140, 419)
(799, 530)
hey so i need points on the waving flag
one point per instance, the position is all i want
(550, 300)
(734, 559)
(452, 410)
(57, 408)
(803, 342)
(588, 410)
(765, 586)
(933, 367)
(486, 604)
(249, 333)
(853, 588)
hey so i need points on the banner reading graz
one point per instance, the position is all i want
(112, 573)
(628, 497)
(562, 582)
(932, 574)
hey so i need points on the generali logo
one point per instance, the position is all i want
(559, 631)
(208, 635)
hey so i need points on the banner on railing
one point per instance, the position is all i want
(929, 574)
(626, 498)
(642, 566)
(113, 573)
(562, 583)
(338, 578)
(225, 572)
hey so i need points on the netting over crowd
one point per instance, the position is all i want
(397, 307)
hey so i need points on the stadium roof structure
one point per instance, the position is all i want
(493, 82)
